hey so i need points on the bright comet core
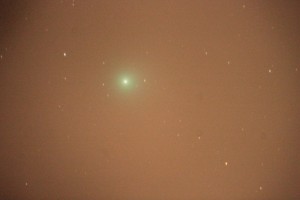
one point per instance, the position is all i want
(125, 81)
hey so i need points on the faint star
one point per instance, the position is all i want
(226, 163)
(265, 116)
(260, 188)
(270, 70)
(65, 54)
(278, 149)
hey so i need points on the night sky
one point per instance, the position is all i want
(149, 100)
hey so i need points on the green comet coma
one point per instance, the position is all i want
(125, 81)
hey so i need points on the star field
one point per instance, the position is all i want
(149, 100)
